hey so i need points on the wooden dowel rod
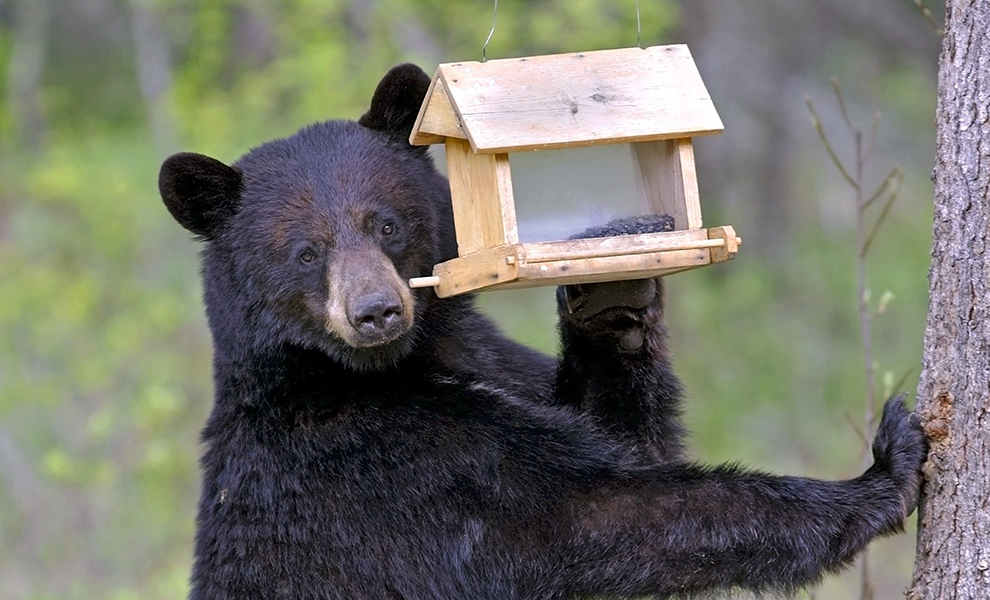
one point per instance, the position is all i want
(422, 282)
(555, 255)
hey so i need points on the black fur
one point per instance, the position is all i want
(630, 226)
(451, 462)
(200, 192)
(396, 102)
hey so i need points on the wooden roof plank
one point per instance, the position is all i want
(436, 120)
(578, 99)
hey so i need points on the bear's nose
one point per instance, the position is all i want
(377, 315)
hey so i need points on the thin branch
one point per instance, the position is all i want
(885, 299)
(892, 185)
(884, 186)
(929, 17)
(842, 105)
(859, 432)
(817, 124)
(900, 382)
(880, 219)
(877, 116)
(866, 591)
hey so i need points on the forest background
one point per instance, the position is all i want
(104, 351)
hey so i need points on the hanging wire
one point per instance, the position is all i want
(484, 49)
(639, 29)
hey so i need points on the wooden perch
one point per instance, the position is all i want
(582, 261)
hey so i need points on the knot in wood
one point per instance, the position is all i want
(937, 420)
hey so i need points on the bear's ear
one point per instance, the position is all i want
(199, 191)
(397, 99)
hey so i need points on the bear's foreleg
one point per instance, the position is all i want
(615, 366)
(685, 530)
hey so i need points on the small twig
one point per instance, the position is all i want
(900, 382)
(866, 591)
(884, 186)
(883, 215)
(842, 105)
(929, 17)
(877, 116)
(891, 185)
(859, 432)
(816, 123)
(885, 299)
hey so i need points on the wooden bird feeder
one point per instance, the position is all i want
(653, 99)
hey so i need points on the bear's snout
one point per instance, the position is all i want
(377, 317)
(369, 304)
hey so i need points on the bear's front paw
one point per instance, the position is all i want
(899, 450)
(622, 310)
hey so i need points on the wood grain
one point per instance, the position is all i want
(620, 245)
(609, 268)
(666, 180)
(436, 120)
(584, 260)
(481, 194)
(730, 243)
(476, 271)
(579, 99)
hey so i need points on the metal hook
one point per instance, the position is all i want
(639, 30)
(484, 49)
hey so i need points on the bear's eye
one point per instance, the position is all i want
(307, 256)
(388, 229)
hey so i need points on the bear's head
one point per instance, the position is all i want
(310, 240)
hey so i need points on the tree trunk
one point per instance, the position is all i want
(27, 64)
(154, 74)
(953, 557)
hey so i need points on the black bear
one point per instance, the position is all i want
(372, 441)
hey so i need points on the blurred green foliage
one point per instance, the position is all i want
(104, 351)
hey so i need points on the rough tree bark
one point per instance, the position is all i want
(953, 558)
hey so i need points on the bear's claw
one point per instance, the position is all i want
(899, 449)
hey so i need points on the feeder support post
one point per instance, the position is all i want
(481, 194)
(666, 180)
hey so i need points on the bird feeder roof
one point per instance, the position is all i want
(566, 100)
